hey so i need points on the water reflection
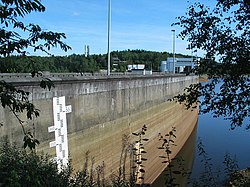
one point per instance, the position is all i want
(184, 162)
(218, 140)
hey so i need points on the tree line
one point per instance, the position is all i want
(80, 63)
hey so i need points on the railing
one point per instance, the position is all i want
(59, 75)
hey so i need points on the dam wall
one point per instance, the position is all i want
(105, 113)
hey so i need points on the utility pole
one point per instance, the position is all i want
(109, 19)
(173, 51)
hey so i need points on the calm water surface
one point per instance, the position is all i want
(218, 140)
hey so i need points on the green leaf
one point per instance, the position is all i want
(177, 172)
(162, 156)
(160, 147)
(142, 170)
(25, 144)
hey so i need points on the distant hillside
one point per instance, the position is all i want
(80, 63)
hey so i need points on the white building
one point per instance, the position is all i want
(136, 67)
(181, 65)
(139, 68)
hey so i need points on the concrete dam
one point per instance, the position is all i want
(105, 110)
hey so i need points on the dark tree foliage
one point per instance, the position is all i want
(18, 168)
(79, 63)
(224, 34)
(151, 59)
(38, 39)
(16, 37)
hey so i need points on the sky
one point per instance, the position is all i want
(135, 24)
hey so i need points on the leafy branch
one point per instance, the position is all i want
(17, 101)
(38, 39)
(222, 32)
(167, 143)
(16, 37)
(228, 98)
(138, 151)
(208, 177)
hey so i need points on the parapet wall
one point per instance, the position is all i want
(95, 100)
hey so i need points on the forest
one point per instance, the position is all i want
(79, 63)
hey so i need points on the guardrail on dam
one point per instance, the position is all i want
(104, 110)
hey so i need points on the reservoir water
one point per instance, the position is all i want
(218, 140)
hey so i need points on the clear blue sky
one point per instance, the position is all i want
(135, 24)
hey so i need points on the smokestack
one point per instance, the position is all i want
(86, 50)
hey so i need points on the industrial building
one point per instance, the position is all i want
(180, 65)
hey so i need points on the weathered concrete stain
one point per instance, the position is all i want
(105, 109)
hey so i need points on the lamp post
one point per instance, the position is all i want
(109, 17)
(173, 51)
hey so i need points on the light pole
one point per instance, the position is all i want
(109, 19)
(173, 51)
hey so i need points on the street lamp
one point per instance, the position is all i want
(109, 19)
(173, 51)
